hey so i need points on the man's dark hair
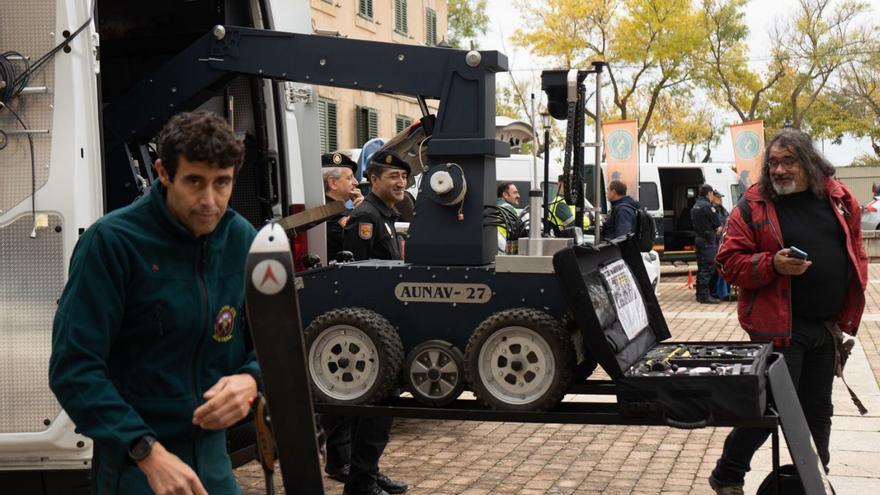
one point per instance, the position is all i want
(200, 137)
(618, 187)
(705, 189)
(811, 161)
(503, 187)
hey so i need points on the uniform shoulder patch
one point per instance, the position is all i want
(365, 230)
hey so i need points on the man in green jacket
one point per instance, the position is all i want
(149, 353)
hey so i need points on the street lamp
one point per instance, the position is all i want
(545, 120)
(652, 148)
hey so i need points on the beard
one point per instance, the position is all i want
(783, 185)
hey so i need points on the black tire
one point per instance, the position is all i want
(371, 376)
(434, 382)
(514, 330)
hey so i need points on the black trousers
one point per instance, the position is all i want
(810, 361)
(358, 441)
(706, 265)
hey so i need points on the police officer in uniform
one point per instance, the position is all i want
(707, 227)
(340, 184)
(368, 233)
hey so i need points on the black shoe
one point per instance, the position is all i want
(340, 474)
(389, 485)
(373, 489)
(708, 300)
(721, 489)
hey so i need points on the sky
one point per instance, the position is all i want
(760, 16)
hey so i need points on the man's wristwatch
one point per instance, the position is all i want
(141, 448)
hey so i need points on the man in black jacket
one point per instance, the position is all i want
(369, 234)
(622, 219)
(707, 227)
(340, 184)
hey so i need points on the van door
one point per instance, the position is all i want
(680, 185)
(651, 198)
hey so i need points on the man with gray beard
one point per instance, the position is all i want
(797, 302)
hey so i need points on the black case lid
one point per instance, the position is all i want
(613, 303)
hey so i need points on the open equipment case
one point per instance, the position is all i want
(683, 383)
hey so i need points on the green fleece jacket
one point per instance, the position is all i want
(151, 317)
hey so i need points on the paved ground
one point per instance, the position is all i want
(481, 458)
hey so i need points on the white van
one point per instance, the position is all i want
(669, 190)
(679, 185)
(73, 183)
(518, 169)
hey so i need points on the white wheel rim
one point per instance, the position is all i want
(516, 365)
(434, 373)
(343, 362)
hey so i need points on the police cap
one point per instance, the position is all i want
(387, 159)
(717, 193)
(705, 189)
(338, 159)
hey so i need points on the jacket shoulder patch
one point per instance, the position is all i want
(365, 230)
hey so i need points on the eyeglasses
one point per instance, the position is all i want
(787, 163)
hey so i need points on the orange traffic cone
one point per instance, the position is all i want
(690, 281)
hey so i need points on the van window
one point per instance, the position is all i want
(648, 196)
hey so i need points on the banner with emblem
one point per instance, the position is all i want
(621, 142)
(748, 151)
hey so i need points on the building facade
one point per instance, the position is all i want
(349, 118)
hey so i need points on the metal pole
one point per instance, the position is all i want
(597, 168)
(547, 174)
(535, 193)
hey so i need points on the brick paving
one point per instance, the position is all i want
(481, 458)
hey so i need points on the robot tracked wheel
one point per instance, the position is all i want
(434, 372)
(354, 356)
(520, 359)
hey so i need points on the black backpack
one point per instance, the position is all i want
(646, 230)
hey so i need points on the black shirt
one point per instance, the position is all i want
(810, 224)
(370, 231)
(335, 228)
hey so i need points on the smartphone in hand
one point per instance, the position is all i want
(794, 252)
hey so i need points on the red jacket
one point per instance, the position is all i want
(745, 258)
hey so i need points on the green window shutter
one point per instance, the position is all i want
(401, 123)
(332, 139)
(373, 125)
(366, 124)
(322, 125)
(400, 24)
(327, 125)
(430, 27)
(365, 8)
(359, 133)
